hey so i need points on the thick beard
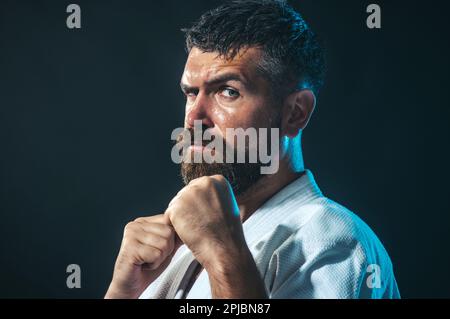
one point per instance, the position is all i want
(241, 176)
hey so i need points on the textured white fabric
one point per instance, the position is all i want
(305, 246)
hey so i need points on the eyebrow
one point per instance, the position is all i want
(225, 77)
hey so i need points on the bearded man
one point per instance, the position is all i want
(233, 232)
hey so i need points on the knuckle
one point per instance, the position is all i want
(139, 220)
(155, 217)
(208, 180)
(128, 245)
(220, 178)
(201, 183)
(131, 230)
(129, 227)
(201, 180)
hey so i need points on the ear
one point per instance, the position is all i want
(297, 110)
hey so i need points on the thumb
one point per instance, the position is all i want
(178, 241)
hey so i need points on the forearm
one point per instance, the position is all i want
(236, 277)
(115, 292)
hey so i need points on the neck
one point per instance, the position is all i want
(266, 187)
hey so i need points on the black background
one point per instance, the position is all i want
(86, 117)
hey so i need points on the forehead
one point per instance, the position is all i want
(202, 66)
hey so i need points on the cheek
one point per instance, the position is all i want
(249, 114)
(221, 116)
(224, 118)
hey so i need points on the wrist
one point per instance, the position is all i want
(235, 275)
(115, 292)
(225, 262)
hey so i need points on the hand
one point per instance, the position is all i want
(148, 245)
(205, 216)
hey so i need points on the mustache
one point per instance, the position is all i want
(192, 133)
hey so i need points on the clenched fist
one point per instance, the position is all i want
(147, 247)
(203, 215)
(206, 218)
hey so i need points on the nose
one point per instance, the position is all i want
(199, 111)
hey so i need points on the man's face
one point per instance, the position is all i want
(226, 94)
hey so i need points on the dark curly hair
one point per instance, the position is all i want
(292, 56)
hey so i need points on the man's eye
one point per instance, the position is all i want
(229, 93)
(190, 95)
